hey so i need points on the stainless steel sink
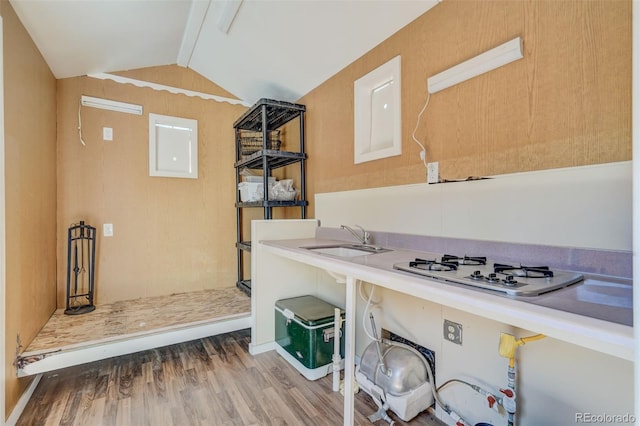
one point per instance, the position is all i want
(346, 250)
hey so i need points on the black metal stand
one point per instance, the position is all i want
(263, 119)
(81, 244)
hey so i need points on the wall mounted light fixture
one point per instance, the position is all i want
(107, 104)
(487, 61)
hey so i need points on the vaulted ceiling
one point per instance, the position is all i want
(279, 49)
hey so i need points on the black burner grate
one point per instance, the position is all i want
(433, 265)
(466, 260)
(523, 271)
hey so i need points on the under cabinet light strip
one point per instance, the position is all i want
(487, 61)
(107, 104)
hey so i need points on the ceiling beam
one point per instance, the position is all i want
(192, 31)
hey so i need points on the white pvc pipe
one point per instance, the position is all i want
(349, 350)
(337, 323)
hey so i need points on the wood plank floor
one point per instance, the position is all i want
(211, 381)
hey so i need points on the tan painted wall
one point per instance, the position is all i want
(30, 179)
(170, 235)
(567, 103)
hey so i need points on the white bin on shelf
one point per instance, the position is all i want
(251, 189)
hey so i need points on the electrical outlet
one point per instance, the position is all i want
(432, 172)
(452, 332)
(107, 229)
(107, 133)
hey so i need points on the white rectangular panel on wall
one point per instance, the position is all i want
(378, 115)
(173, 146)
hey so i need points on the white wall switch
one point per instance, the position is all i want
(107, 229)
(107, 133)
(432, 172)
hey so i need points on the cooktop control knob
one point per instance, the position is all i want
(510, 280)
(477, 275)
(492, 277)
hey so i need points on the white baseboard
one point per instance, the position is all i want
(22, 402)
(262, 348)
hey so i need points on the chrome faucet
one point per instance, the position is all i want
(364, 238)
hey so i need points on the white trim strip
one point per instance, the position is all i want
(160, 87)
(23, 401)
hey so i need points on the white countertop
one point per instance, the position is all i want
(597, 334)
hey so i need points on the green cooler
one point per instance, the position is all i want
(304, 333)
